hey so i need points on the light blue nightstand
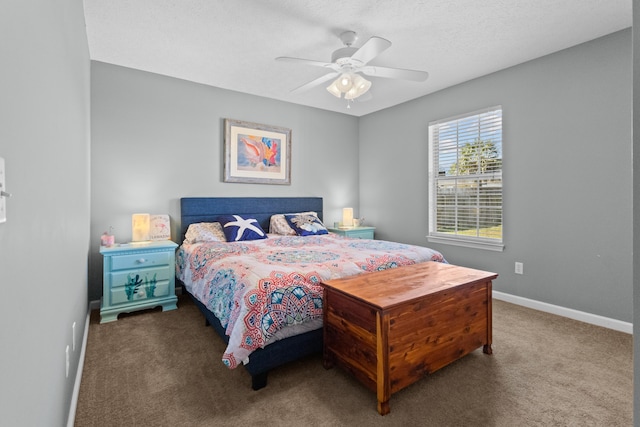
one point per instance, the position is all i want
(137, 276)
(357, 232)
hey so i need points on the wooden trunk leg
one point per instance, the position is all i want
(487, 347)
(383, 378)
(383, 407)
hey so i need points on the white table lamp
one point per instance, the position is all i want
(347, 217)
(140, 225)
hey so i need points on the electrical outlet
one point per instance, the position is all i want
(519, 268)
(73, 336)
(67, 362)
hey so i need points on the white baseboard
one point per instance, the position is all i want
(593, 319)
(71, 419)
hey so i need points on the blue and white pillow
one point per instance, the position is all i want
(305, 224)
(237, 228)
(279, 225)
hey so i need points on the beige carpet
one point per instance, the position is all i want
(163, 369)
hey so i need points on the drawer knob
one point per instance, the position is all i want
(141, 261)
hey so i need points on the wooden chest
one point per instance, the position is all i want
(389, 328)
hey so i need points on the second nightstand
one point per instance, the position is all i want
(357, 232)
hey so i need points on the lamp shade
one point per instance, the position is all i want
(344, 82)
(359, 87)
(347, 217)
(140, 226)
(333, 89)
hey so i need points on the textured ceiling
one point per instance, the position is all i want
(232, 44)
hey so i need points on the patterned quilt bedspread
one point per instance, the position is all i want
(262, 288)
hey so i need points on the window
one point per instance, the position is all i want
(465, 179)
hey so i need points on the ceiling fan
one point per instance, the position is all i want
(348, 63)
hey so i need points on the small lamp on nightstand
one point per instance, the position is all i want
(140, 226)
(347, 217)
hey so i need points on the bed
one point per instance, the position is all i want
(264, 296)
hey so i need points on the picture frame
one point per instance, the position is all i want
(160, 227)
(256, 153)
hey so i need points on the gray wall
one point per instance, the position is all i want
(44, 138)
(156, 139)
(636, 208)
(567, 175)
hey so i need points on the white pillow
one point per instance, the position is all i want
(204, 232)
(279, 225)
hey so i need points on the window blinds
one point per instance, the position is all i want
(466, 176)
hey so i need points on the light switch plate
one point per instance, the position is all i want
(3, 200)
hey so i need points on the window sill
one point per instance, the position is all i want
(489, 246)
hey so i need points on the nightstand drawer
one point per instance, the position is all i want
(121, 278)
(145, 290)
(361, 234)
(355, 232)
(153, 259)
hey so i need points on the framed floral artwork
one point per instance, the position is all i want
(256, 153)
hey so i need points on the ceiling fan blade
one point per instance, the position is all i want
(307, 62)
(372, 48)
(395, 73)
(316, 82)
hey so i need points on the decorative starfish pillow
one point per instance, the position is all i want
(237, 228)
(306, 225)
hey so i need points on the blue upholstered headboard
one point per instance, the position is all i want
(207, 209)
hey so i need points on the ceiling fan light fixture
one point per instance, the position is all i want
(352, 85)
